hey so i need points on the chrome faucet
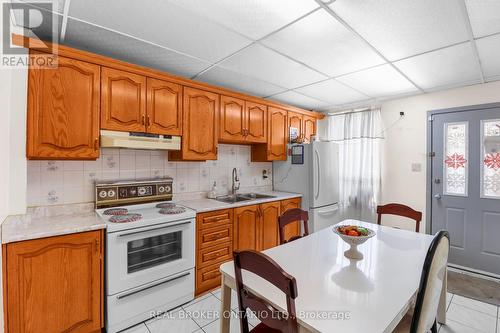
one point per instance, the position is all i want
(236, 182)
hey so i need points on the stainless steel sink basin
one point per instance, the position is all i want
(232, 198)
(257, 196)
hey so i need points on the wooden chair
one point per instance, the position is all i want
(399, 210)
(290, 216)
(272, 320)
(431, 285)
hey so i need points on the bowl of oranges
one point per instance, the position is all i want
(353, 235)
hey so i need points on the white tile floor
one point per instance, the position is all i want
(464, 316)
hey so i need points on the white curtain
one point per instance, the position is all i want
(359, 135)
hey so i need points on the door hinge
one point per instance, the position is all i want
(432, 154)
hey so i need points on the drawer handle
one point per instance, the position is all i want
(215, 237)
(212, 275)
(214, 255)
(152, 286)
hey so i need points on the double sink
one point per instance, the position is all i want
(243, 197)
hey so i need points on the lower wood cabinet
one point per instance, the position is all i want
(293, 229)
(54, 284)
(247, 228)
(269, 213)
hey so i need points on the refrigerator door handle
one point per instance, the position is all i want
(319, 177)
(327, 212)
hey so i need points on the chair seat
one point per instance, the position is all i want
(262, 328)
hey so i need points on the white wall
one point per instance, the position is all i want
(405, 142)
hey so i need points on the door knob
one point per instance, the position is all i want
(437, 196)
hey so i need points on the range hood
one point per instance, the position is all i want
(136, 140)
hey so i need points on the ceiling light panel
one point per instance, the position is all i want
(163, 23)
(235, 81)
(332, 92)
(299, 100)
(378, 81)
(323, 43)
(445, 67)
(489, 53)
(402, 28)
(484, 16)
(264, 64)
(94, 39)
(252, 18)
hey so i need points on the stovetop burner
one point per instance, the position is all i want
(167, 205)
(116, 211)
(125, 218)
(173, 210)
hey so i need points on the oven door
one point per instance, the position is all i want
(139, 256)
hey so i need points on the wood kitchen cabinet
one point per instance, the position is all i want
(200, 126)
(242, 121)
(54, 284)
(276, 147)
(295, 120)
(123, 101)
(292, 229)
(164, 107)
(247, 228)
(269, 213)
(63, 111)
(309, 128)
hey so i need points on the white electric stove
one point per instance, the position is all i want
(150, 250)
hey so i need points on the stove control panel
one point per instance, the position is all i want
(108, 194)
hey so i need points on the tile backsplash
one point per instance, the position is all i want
(64, 182)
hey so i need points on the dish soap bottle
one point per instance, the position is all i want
(213, 192)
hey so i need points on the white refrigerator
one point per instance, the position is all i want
(317, 179)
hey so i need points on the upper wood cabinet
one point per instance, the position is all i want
(295, 120)
(309, 128)
(54, 284)
(164, 107)
(232, 119)
(275, 149)
(123, 101)
(63, 111)
(200, 126)
(242, 121)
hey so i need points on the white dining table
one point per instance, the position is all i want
(336, 294)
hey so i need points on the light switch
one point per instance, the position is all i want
(416, 167)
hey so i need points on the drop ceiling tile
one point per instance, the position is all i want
(95, 39)
(299, 100)
(378, 81)
(332, 92)
(489, 50)
(264, 64)
(449, 66)
(484, 16)
(252, 18)
(321, 42)
(402, 28)
(231, 80)
(162, 23)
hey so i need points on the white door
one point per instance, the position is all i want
(325, 190)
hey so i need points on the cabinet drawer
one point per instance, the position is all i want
(213, 219)
(207, 278)
(213, 255)
(214, 236)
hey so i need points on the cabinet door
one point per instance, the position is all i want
(164, 107)
(55, 284)
(63, 111)
(293, 229)
(309, 127)
(276, 143)
(200, 126)
(295, 120)
(256, 128)
(123, 101)
(232, 119)
(270, 229)
(246, 228)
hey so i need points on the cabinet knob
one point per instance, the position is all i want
(96, 144)
(144, 119)
(148, 124)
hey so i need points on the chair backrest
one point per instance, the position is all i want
(266, 268)
(431, 284)
(290, 216)
(400, 210)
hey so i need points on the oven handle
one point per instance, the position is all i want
(152, 286)
(153, 229)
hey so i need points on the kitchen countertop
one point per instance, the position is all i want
(207, 205)
(35, 225)
(51, 221)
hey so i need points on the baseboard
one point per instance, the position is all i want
(474, 272)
